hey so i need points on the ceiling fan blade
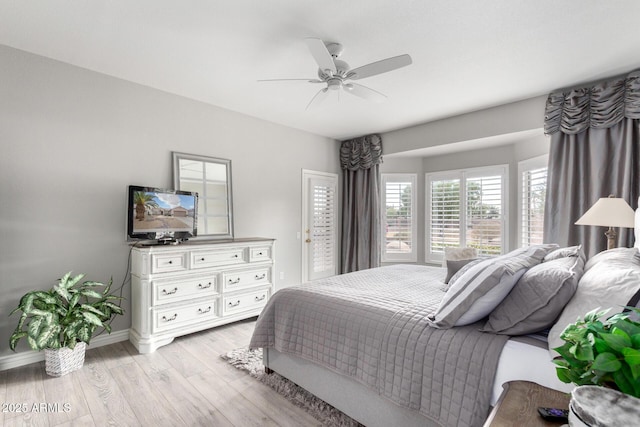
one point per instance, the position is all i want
(291, 80)
(364, 92)
(321, 54)
(317, 99)
(379, 67)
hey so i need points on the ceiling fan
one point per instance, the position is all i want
(336, 74)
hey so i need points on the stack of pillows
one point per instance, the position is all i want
(518, 293)
(611, 280)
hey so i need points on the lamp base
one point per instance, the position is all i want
(611, 238)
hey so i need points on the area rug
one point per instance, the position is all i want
(250, 361)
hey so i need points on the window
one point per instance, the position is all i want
(467, 208)
(399, 232)
(532, 176)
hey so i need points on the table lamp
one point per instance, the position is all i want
(609, 212)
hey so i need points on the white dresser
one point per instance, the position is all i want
(177, 290)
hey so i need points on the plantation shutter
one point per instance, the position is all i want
(323, 226)
(444, 215)
(484, 214)
(467, 208)
(399, 229)
(534, 186)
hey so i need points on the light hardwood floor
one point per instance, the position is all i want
(185, 383)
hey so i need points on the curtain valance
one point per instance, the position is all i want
(599, 106)
(361, 153)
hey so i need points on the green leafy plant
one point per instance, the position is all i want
(68, 313)
(601, 352)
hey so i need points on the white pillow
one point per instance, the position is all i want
(610, 280)
(618, 257)
(456, 254)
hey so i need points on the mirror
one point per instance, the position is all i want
(210, 177)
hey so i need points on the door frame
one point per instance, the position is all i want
(306, 175)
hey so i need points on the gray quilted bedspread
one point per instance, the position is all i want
(372, 326)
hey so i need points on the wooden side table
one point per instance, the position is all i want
(518, 405)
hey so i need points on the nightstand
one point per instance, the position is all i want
(518, 405)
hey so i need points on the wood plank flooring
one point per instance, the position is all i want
(185, 383)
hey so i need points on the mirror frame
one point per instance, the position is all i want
(213, 160)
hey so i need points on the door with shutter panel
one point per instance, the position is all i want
(320, 219)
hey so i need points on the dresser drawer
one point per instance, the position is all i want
(171, 317)
(165, 263)
(243, 302)
(220, 257)
(179, 289)
(240, 279)
(261, 253)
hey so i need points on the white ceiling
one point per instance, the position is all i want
(467, 54)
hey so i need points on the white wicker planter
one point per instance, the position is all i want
(61, 361)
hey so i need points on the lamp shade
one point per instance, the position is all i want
(609, 212)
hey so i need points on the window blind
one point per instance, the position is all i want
(399, 227)
(484, 217)
(445, 214)
(467, 208)
(323, 238)
(534, 189)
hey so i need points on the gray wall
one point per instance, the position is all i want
(504, 121)
(72, 140)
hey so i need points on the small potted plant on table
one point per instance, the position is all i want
(602, 357)
(62, 321)
(602, 352)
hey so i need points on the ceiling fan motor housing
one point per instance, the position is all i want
(342, 68)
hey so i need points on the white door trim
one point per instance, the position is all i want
(306, 176)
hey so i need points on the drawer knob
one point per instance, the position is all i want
(201, 311)
(170, 319)
(262, 276)
(201, 286)
(261, 298)
(234, 282)
(170, 262)
(234, 304)
(173, 291)
(259, 253)
(202, 259)
(235, 255)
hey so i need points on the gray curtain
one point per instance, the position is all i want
(360, 159)
(594, 152)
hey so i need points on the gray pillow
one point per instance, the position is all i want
(474, 294)
(536, 301)
(454, 265)
(566, 252)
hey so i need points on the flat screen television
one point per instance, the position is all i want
(163, 216)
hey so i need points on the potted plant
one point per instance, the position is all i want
(62, 321)
(601, 352)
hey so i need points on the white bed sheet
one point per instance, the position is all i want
(522, 361)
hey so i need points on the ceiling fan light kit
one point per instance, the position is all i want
(335, 72)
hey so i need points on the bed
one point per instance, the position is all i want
(378, 345)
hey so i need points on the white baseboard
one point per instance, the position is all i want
(25, 358)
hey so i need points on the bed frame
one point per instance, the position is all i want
(343, 393)
(367, 407)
